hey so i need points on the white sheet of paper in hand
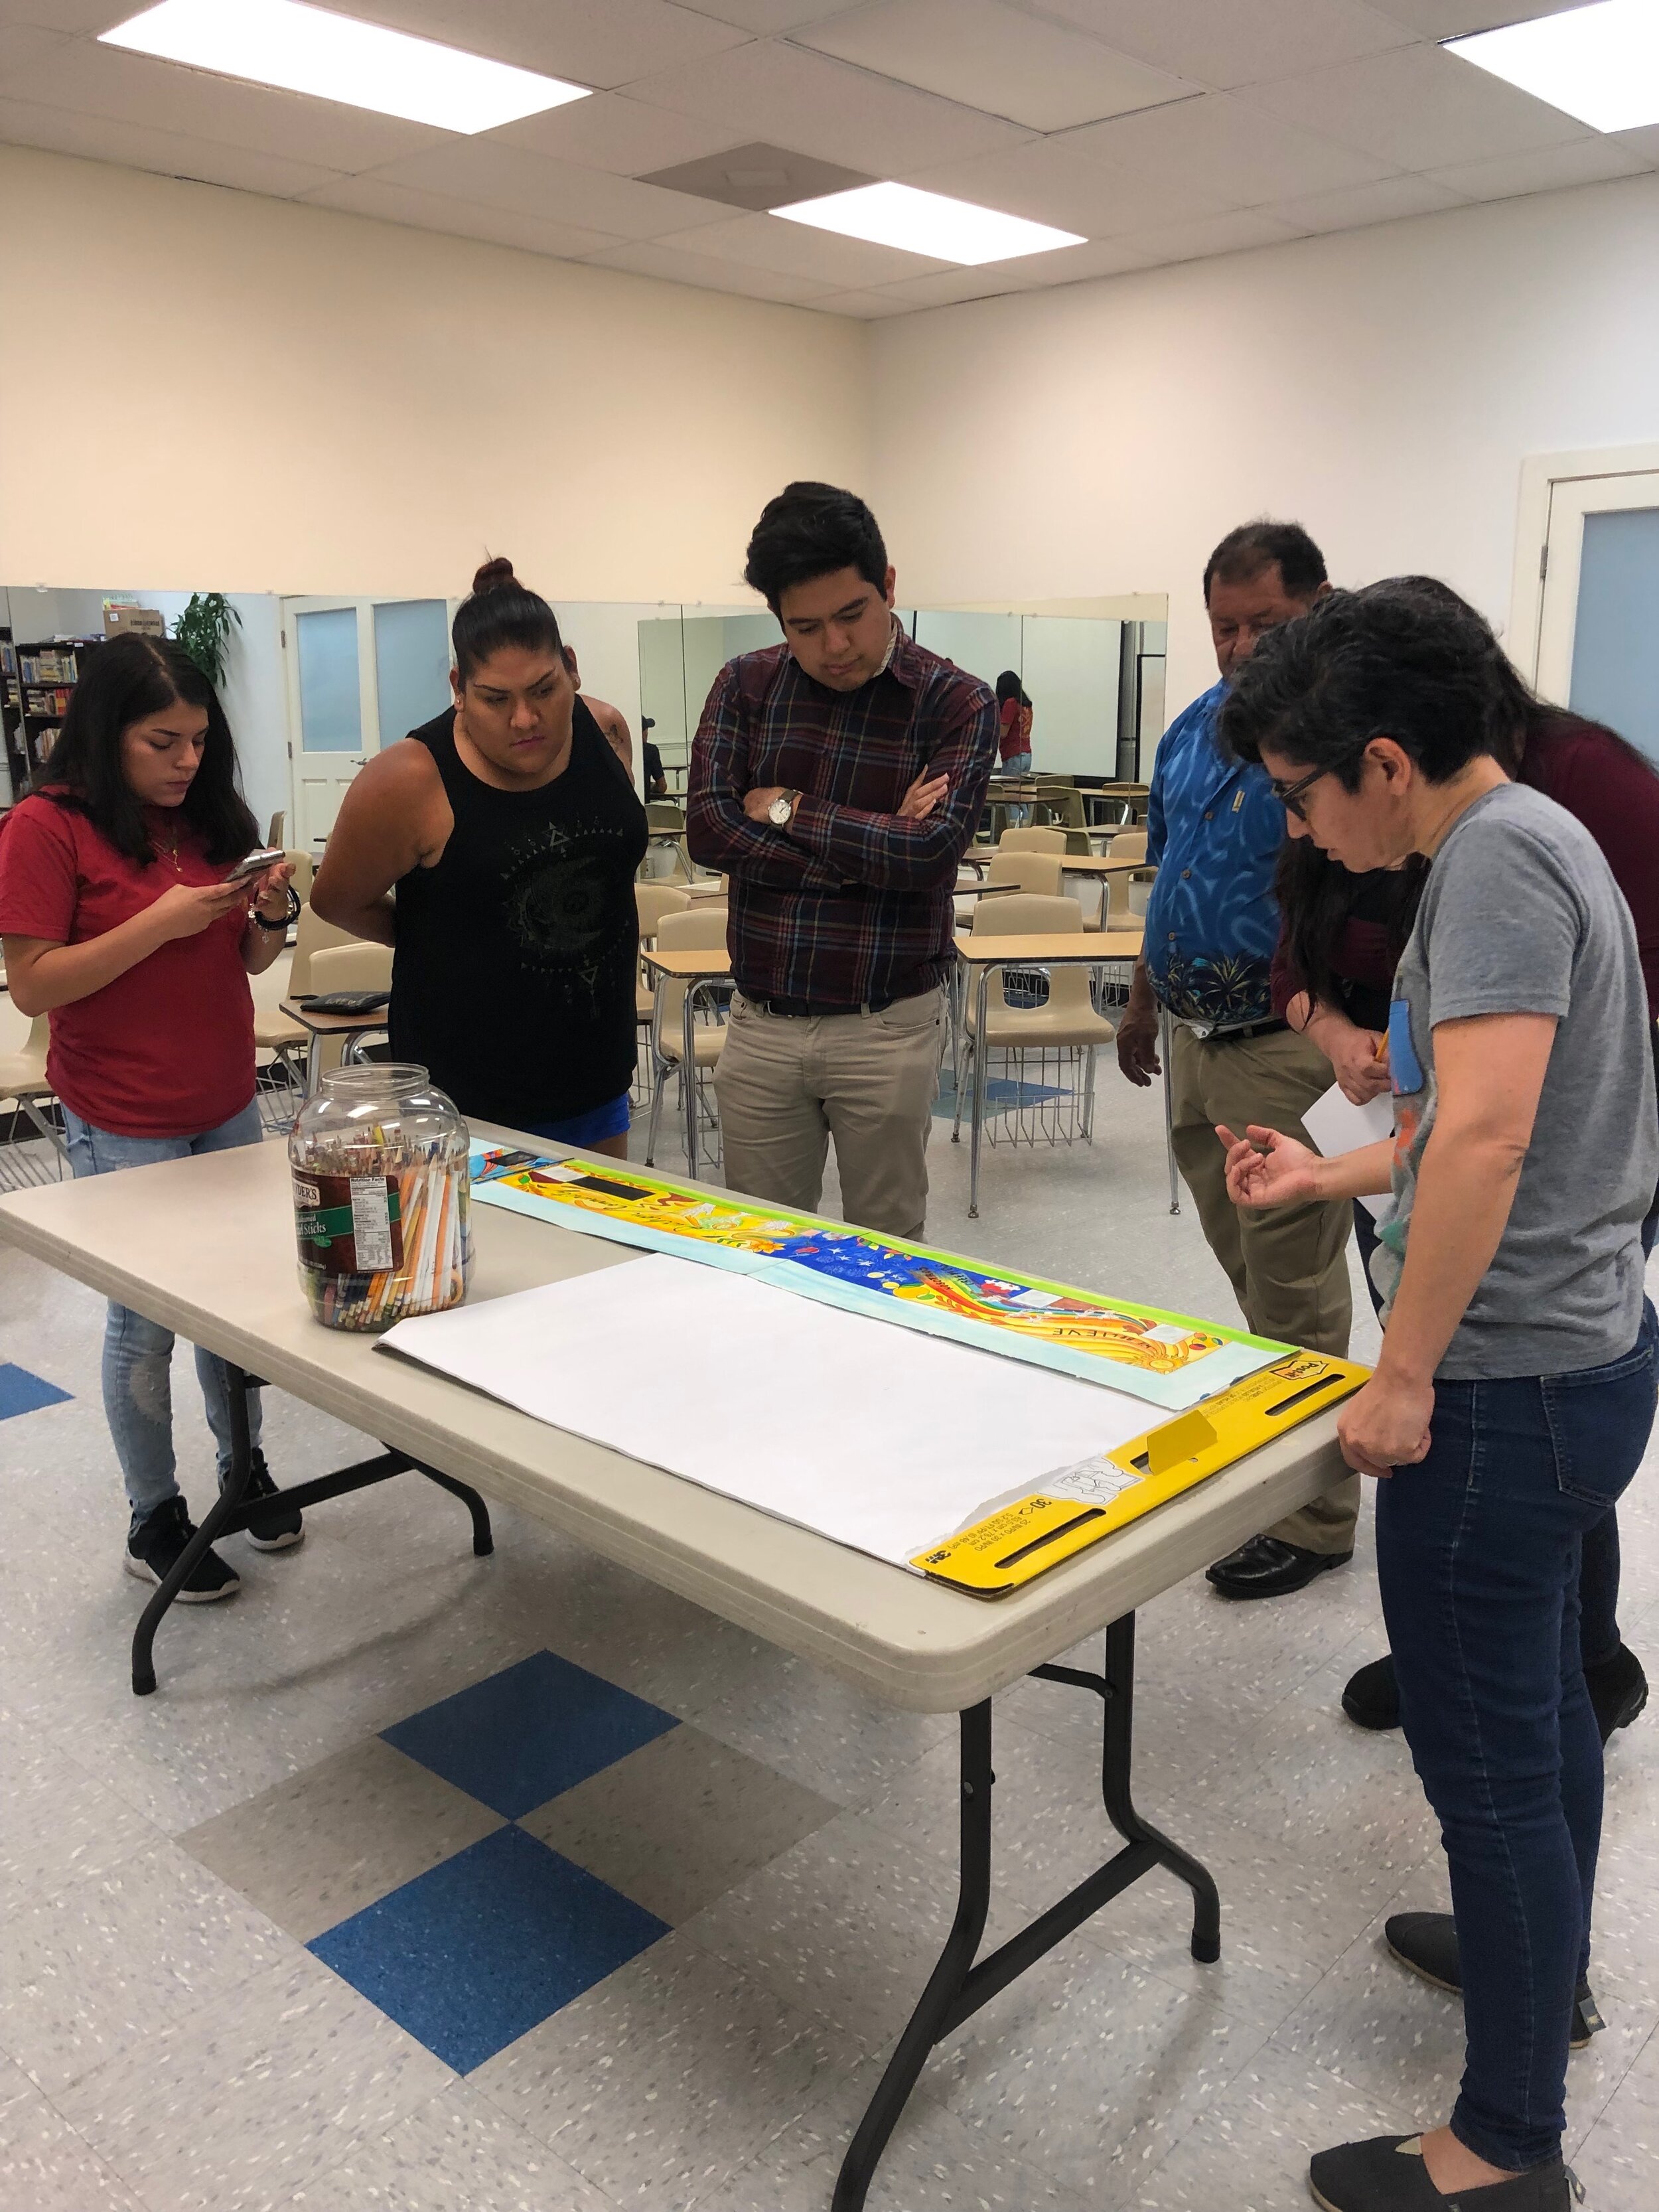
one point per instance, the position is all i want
(1337, 1126)
(879, 1437)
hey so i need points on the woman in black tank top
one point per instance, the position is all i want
(511, 835)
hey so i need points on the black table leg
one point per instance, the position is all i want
(944, 1984)
(958, 1987)
(231, 1511)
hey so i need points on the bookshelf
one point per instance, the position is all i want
(11, 723)
(46, 674)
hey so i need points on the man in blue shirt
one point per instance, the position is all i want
(1214, 830)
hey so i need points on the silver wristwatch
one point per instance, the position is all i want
(781, 812)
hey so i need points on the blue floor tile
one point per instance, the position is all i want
(529, 1733)
(1002, 1095)
(474, 1955)
(23, 1393)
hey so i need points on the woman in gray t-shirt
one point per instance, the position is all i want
(1515, 1387)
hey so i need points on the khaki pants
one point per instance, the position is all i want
(1288, 1264)
(786, 1086)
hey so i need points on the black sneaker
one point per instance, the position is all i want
(1619, 1689)
(1370, 1698)
(278, 1528)
(153, 1551)
(1426, 1942)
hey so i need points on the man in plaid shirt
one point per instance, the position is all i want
(836, 778)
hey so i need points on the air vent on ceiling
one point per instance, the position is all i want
(757, 177)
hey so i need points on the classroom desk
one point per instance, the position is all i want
(206, 1247)
(984, 955)
(318, 1027)
(697, 968)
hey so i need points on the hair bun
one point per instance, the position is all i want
(494, 576)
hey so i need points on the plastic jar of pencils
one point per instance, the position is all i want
(381, 1197)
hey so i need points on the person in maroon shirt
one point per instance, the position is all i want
(122, 919)
(1340, 940)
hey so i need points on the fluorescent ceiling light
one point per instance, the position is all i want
(1599, 63)
(928, 223)
(304, 49)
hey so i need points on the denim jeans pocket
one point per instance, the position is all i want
(1600, 1420)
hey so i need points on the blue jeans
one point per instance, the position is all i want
(1477, 1560)
(1018, 764)
(1602, 1564)
(137, 1352)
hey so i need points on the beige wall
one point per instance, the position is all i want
(245, 395)
(1383, 386)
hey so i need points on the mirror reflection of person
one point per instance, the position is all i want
(1014, 735)
(511, 837)
(656, 782)
(1515, 1392)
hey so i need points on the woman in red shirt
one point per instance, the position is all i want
(1340, 940)
(119, 922)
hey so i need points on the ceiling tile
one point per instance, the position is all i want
(611, 131)
(951, 287)
(643, 258)
(1228, 42)
(864, 306)
(22, 44)
(1551, 168)
(767, 19)
(1220, 234)
(492, 174)
(602, 46)
(1049, 183)
(1389, 200)
(1418, 107)
(129, 88)
(994, 58)
(1076, 264)
(69, 18)
(100, 138)
(1451, 19)
(767, 242)
(759, 178)
(418, 210)
(1236, 153)
(823, 106)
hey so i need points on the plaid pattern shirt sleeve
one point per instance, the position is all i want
(850, 907)
(718, 832)
(885, 849)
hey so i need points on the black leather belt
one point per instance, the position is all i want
(802, 1010)
(1251, 1030)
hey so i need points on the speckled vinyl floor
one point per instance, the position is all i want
(435, 1884)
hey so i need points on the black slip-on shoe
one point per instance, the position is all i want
(1426, 1943)
(1370, 1698)
(1386, 2174)
(1266, 1567)
(153, 1550)
(277, 1528)
(1619, 1689)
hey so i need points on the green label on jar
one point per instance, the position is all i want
(349, 1225)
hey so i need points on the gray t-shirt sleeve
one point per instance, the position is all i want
(1507, 926)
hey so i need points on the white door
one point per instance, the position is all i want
(1599, 605)
(362, 673)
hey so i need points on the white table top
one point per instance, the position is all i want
(206, 1247)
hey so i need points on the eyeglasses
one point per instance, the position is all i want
(1290, 794)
